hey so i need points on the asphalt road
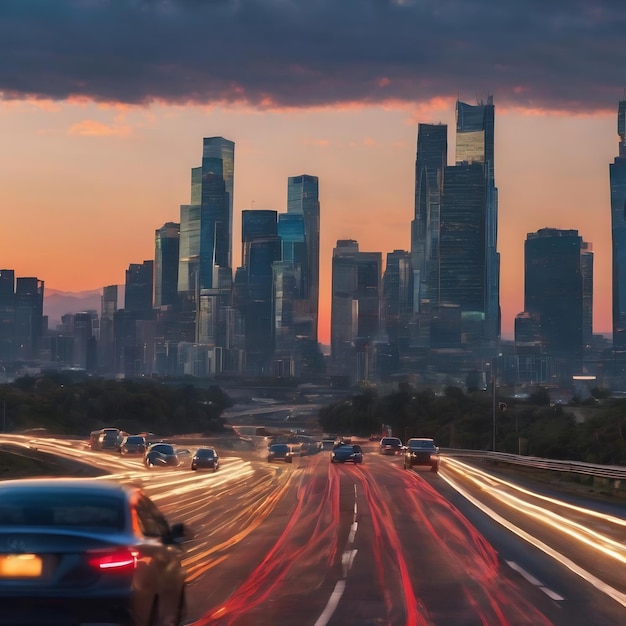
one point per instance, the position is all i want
(315, 543)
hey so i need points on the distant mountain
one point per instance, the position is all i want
(57, 303)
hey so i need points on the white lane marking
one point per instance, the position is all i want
(553, 595)
(333, 601)
(600, 585)
(347, 558)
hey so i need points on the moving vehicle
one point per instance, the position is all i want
(79, 551)
(205, 458)
(390, 445)
(109, 438)
(161, 455)
(421, 451)
(280, 452)
(132, 444)
(346, 452)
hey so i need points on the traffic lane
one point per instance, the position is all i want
(577, 602)
(583, 538)
(423, 559)
(295, 547)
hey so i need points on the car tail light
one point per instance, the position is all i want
(116, 560)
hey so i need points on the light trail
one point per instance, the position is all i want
(599, 584)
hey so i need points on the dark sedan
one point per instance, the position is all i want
(161, 455)
(280, 452)
(421, 451)
(132, 444)
(348, 452)
(205, 458)
(81, 551)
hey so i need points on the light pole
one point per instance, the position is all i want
(494, 376)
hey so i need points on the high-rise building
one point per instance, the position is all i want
(167, 244)
(29, 293)
(303, 199)
(432, 157)
(7, 315)
(617, 175)
(206, 223)
(261, 247)
(557, 289)
(106, 343)
(355, 310)
(138, 290)
(475, 144)
(398, 291)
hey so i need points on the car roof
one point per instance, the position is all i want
(66, 485)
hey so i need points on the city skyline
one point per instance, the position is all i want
(102, 177)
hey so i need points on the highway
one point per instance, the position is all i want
(314, 543)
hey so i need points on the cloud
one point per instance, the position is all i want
(565, 55)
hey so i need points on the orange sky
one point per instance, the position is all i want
(84, 186)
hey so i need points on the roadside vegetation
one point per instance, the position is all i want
(465, 420)
(76, 404)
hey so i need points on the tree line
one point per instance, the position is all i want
(76, 404)
(465, 420)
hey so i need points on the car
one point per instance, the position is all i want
(109, 438)
(132, 444)
(346, 452)
(280, 452)
(390, 445)
(79, 551)
(205, 458)
(421, 451)
(161, 455)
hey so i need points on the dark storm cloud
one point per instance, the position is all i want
(561, 54)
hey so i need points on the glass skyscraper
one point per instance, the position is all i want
(617, 175)
(303, 199)
(167, 244)
(206, 223)
(432, 157)
(557, 289)
(475, 144)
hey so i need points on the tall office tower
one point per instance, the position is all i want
(432, 157)
(261, 247)
(460, 317)
(138, 290)
(206, 223)
(106, 343)
(166, 249)
(557, 287)
(398, 301)
(7, 315)
(475, 144)
(355, 310)
(84, 353)
(28, 316)
(303, 199)
(617, 176)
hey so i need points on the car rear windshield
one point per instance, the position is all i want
(135, 440)
(62, 510)
(391, 441)
(421, 444)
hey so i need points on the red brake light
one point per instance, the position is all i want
(117, 560)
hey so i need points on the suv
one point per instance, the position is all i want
(421, 451)
(390, 445)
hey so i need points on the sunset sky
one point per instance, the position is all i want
(104, 104)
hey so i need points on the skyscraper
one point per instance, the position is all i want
(432, 157)
(303, 199)
(166, 250)
(138, 290)
(206, 223)
(29, 293)
(557, 288)
(617, 175)
(355, 310)
(475, 144)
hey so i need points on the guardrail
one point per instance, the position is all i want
(613, 472)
